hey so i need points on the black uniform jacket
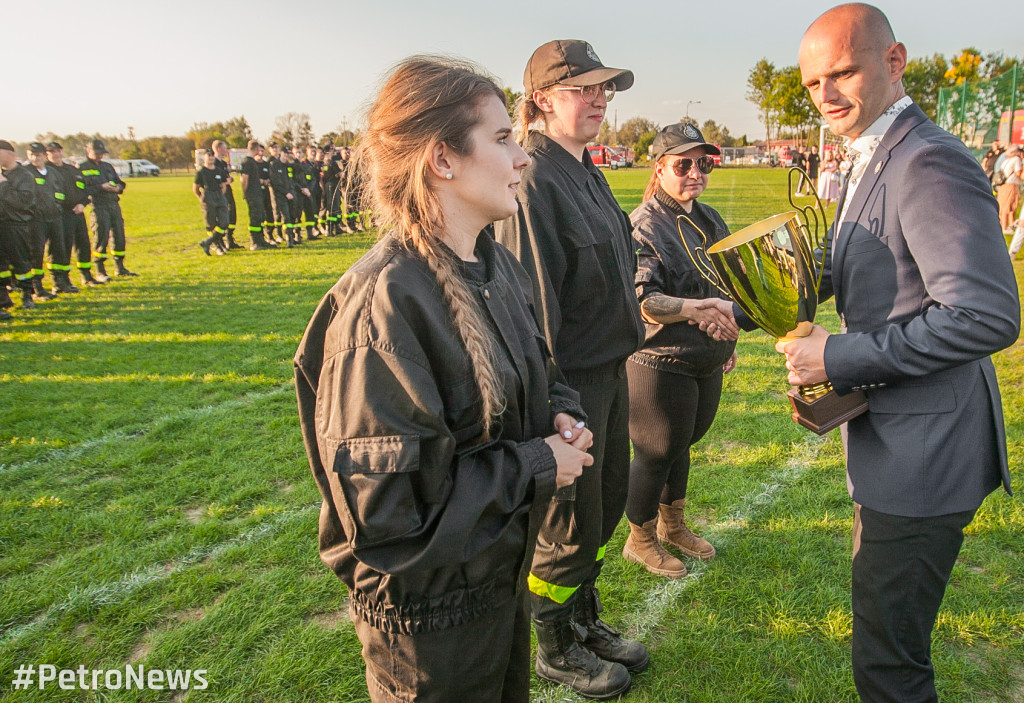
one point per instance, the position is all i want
(73, 184)
(95, 174)
(573, 238)
(281, 177)
(251, 168)
(426, 524)
(48, 194)
(17, 195)
(664, 267)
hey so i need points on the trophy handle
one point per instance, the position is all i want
(809, 222)
(699, 256)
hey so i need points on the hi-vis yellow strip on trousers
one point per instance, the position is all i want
(542, 588)
(600, 552)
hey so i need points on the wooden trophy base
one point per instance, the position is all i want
(825, 413)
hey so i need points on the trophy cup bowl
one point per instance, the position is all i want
(771, 271)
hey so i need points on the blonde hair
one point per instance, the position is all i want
(528, 113)
(428, 100)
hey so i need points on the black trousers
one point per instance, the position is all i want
(229, 196)
(256, 216)
(306, 212)
(47, 236)
(76, 233)
(900, 574)
(486, 660)
(668, 413)
(107, 221)
(215, 215)
(14, 254)
(583, 516)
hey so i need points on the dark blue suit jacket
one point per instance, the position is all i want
(927, 292)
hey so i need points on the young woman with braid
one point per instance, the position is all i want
(434, 421)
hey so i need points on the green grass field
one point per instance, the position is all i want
(156, 507)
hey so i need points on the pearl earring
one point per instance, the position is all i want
(449, 175)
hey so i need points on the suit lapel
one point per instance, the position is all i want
(905, 122)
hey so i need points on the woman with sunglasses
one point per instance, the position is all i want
(573, 239)
(675, 380)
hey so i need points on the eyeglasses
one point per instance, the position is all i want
(589, 93)
(705, 164)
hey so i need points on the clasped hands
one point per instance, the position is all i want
(570, 446)
(714, 317)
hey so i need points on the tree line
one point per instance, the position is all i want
(785, 108)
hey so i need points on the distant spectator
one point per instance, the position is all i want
(1009, 190)
(988, 161)
(813, 162)
(845, 166)
(828, 181)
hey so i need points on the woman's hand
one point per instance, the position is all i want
(714, 317)
(570, 448)
(730, 364)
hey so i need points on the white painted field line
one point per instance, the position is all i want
(662, 596)
(117, 591)
(78, 450)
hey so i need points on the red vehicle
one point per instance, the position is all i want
(603, 155)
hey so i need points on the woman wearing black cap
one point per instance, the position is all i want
(675, 381)
(573, 239)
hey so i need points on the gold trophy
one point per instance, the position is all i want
(771, 270)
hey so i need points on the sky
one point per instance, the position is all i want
(105, 65)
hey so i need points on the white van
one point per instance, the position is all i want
(142, 167)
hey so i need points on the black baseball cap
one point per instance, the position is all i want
(98, 146)
(54, 146)
(286, 150)
(6, 145)
(208, 152)
(680, 137)
(37, 148)
(571, 62)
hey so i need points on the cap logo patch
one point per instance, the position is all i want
(690, 132)
(592, 55)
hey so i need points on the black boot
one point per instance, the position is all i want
(561, 660)
(121, 270)
(232, 244)
(4, 316)
(26, 299)
(87, 279)
(40, 292)
(205, 244)
(5, 299)
(62, 282)
(597, 636)
(101, 272)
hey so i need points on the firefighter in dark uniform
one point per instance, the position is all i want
(353, 194)
(47, 228)
(222, 155)
(330, 186)
(104, 188)
(282, 192)
(574, 240)
(209, 188)
(305, 215)
(16, 202)
(252, 191)
(76, 232)
(270, 230)
(310, 179)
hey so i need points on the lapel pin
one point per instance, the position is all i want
(878, 167)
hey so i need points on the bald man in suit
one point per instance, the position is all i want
(926, 295)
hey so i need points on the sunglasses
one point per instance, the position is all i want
(705, 164)
(589, 93)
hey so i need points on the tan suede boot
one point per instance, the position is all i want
(642, 548)
(672, 530)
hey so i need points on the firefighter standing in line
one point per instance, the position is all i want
(330, 186)
(209, 188)
(272, 238)
(252, 191)
(47, 228)
(104, 187)
(16, 199)
(76, 232)
(221, 155)
(309, 177)
(353, 194)
(282, 188)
